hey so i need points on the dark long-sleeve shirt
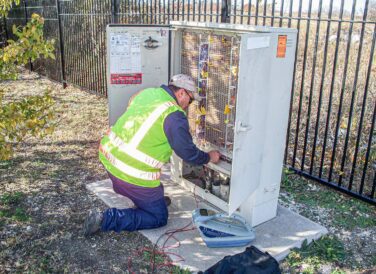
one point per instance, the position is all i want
(176, 128)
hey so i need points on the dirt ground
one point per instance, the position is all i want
(52, 174)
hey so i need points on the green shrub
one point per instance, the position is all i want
(33, 115)
(327, 249)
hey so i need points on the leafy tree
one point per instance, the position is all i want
(6, 5)
(29, 46)
(33, 115)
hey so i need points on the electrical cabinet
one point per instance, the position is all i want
(244, 77)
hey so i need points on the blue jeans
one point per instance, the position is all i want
(147, 215)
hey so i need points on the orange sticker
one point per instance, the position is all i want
(281, 49)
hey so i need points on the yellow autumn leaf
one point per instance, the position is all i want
(343, 124)
(202, 110)
(49, 130)
(227, 110)
(204, 74)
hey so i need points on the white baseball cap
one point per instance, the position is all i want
(186, 82)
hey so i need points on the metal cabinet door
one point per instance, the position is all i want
(137, 58)
(251, 114)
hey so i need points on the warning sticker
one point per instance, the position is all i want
(281, 48)
(125, 53)
(126, 79)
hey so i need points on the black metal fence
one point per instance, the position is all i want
(331, 135)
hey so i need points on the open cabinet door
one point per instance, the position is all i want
(251, 113)
(137, 58)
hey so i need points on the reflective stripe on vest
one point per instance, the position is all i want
(148, 123)
(131, 171)
(133, 152)
(131, 148)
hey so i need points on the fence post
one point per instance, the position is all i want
(226, 6)
(114, 12)
(5, 32)
(62, 60)
(25, 6)
(6, 29)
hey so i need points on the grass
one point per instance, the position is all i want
(160, 259)
(6, 164)
(11, 198)
(178, 270)
(41, 265)
(310, 257)
(44, 265)
(11, 208)
(348, 213)
(374, 259)
(340, 213)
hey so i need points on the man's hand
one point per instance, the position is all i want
(214, 156)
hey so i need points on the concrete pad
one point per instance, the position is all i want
(277, 236)
(103, 189)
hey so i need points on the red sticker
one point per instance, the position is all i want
(126, 79)
(281, 48)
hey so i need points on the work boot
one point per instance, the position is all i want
(167, 200)
(93, 222)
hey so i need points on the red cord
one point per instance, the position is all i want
(170, 235)
(153, 252)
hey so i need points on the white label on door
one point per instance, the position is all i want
(258, 42)
(125, 53)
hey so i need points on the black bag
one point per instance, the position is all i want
(251, 261)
